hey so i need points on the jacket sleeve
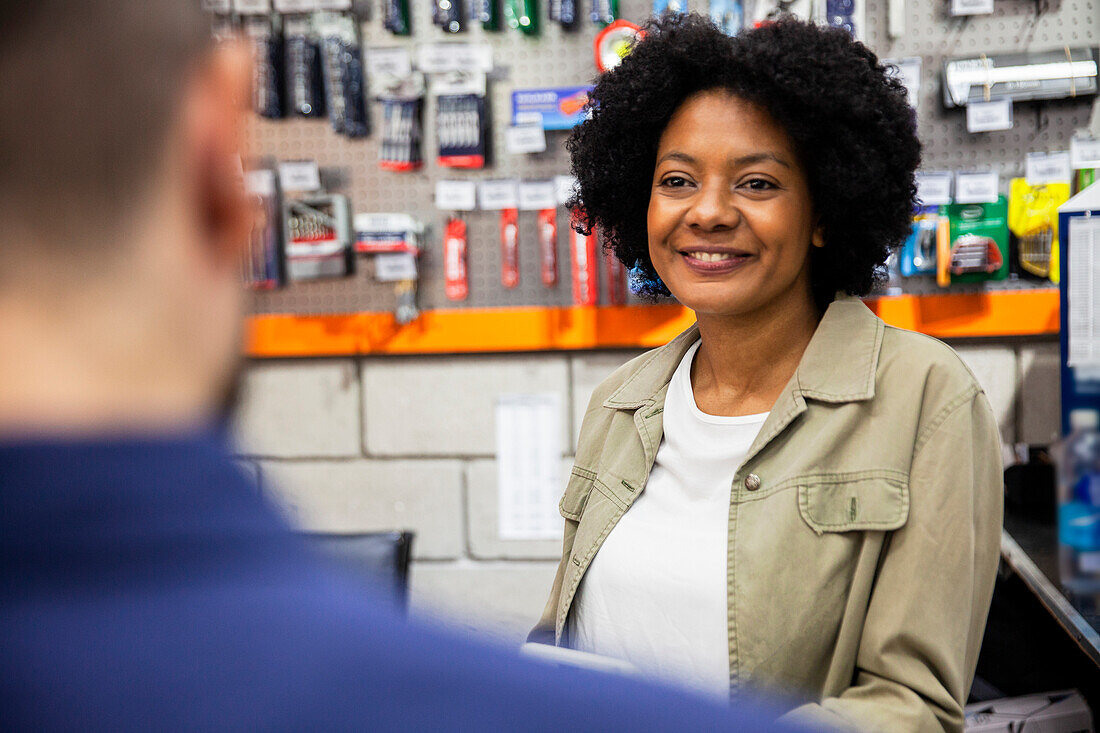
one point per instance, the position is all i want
(927, 612)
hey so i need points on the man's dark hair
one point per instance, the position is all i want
(850, 122)
(90, 90)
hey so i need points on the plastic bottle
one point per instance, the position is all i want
(1079, 504)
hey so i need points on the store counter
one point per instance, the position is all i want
(1030, 547)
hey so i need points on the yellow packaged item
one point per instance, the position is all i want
(1033, 219)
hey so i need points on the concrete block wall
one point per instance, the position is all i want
(347, 445)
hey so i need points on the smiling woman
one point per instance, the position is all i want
(790, 495)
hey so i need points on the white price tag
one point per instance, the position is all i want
(1084, 152)
(252, 7)
(565, 185)
(1048, 168)
(908, 71)
(977, 188)
(525, 139)
(299, 175)
(260, 182)
(934, 189)
(971, 7)
(989, 116)
(456, 195)
(296, 6)
(497, 195)
(436, 58)
(388, 62)
(221, 7)
(336, 5)
(538, 195)
(394, 266)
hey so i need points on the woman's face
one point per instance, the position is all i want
(730, 218)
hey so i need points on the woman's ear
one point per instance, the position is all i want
(817, 239)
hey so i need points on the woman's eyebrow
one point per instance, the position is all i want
(677, 155)
(760, 158)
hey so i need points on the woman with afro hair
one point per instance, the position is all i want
(790, 496)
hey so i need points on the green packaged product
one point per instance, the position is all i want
(979, 241)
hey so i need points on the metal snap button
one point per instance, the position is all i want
(752, 482)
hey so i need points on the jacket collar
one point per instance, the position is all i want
(839, 364)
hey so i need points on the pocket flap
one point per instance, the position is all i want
(854, 502)
(576, 493)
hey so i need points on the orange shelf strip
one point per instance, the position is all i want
(1001, 313)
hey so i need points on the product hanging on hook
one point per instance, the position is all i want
(265, 35)
(395, 17)
(548, 246)
(461, 120)
(585, 278)
(522, 15)
(345, 80)
(401, 122)
(456, 278)
(486, 12)
(447, 14)
(509, 248)
(305, 77)
(616, 279)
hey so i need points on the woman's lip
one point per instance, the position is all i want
(715, 267)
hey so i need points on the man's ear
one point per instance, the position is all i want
(215, 111)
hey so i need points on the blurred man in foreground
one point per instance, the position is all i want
(145, 585)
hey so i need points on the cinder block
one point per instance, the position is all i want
(1040, 394)
(367, 496)
(446, 406)
(300, 409)
(995, 369)
(481, 512)
(589, 369)
(498, 600)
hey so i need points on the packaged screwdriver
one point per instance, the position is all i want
(509, 248)
(395, 17)
(447, 14)
(585, 285)
(461, 120)
(264, 33)
(486, 12)
(548, 246)
(604, 12)
(345, 80)
(456, 279)
(522, 15)
(305, 82)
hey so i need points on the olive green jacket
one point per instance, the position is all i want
(864, 524)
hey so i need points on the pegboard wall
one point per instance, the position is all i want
(558, 57)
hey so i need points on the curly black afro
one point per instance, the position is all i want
(850, 122)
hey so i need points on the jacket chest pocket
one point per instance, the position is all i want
(858, 501)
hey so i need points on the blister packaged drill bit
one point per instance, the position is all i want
(402, 101)
(585, 282)
(262, 264)
(447, 14)
(616, 279)
(305, 78)
(563, 12)
(395, 17)
(522, 15)
(317, 231)
(265, 35)
(604, 12)
(461, 120)
(486, 12)
(345, 80)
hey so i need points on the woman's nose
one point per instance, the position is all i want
(713, 208)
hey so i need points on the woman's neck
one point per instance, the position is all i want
(744, 361)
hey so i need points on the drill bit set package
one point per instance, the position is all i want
(317, 232)
(461, 120)
(402, 101)
(305, 78)
(345, 79)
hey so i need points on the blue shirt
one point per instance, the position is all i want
(145, 584)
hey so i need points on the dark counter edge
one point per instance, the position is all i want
(1051, 597)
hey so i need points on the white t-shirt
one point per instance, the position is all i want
(655, 594)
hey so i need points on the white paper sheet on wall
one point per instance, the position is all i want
(1084, 300)
(529, 450)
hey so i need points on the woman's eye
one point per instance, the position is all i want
(674, 182)
(759, 184)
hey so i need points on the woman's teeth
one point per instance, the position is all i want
(710, 256)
